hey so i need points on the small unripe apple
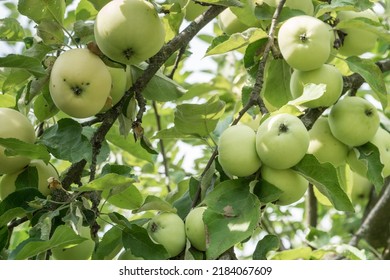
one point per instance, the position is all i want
(282, 141)
(353, 120)
(14, 124)
(168, 229)
(361, 188)
(304, 42)
(324, 146)
(119, 81)
(80, 83)
(382, 141)
(291, 183)
(195, 228)
(237, 151)
(328, 75)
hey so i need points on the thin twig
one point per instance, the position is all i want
(162, 146)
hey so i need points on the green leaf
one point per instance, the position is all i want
(38, 10)
(128, 197)
(18, 61)
(324, 177)
(266, 192)
(15, 147)
(98, 4)
(7, 101)
(16, 79)
(232, 214)
(276, 89)
(66, 141)
(172, 133)
(11, 214)
(225, 43)
(370, 156)
(83, 31)
(371, 74)
(340, 5)
(266, 244)
(11, 30)
(310, 92)
(155, 203)
(136, 239)
(110, 244)
(50, 31)
(107, 182)
(62, 237)
(19, 199)
(85, 11)
(128, 144)
(160, 87)
(199, 119)
(27, 178)
(245, 13)
(303, 253)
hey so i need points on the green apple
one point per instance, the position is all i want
(196, 229)
(327, 75)
(357, 165)
(282, 141)
(324, 146)
(361, 188)
(193, 10)
(80, 83)
(357, 40)
(304, 42)
(45, 171)
(290, 182)
(129, 31)
(14, 125)
(353, 120)
(230, 23)
(305, 6)
(382, 141)
(168, 229)
(81, 251)
(119, 81)
(237, 151)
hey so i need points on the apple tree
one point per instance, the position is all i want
(213, 129)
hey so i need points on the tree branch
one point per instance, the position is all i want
(376, 226)
(312, 214)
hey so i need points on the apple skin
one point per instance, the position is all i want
(282, 141)
(324, 146)
(357, 41)
(80, 83)
(326, 74)
(195, 228)
(353, 120)
(237, 151)
(304, 42)
(19, 127)
(81, 251)
(129, 31)
(229, 22)
(361, 188)
(291, 183)
(7, 183)
(119, 81)
(168, 229)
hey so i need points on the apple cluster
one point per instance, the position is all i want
(169, 230)
(81, 85)
(19, 127)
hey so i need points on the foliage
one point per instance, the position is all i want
(156, 150)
